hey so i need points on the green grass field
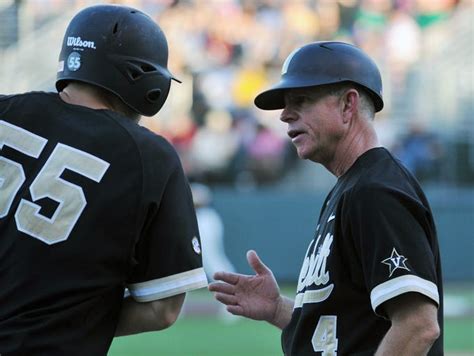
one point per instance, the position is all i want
(203, 337)
(200, 333)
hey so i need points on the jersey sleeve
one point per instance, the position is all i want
(168, 253)
(392, 234)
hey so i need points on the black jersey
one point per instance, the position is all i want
(91, 204)
(375, 240)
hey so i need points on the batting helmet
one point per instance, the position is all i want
(121, 50)
(321, 63)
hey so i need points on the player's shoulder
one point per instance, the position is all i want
(155, 142)
(29, 103)
(5, 97)
(150, 144)
(28, 98)
(29, 94)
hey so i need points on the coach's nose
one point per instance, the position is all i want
(287, 115)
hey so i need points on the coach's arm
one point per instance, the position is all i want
(137, 317)
(414, 327)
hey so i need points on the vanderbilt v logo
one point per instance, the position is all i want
(395, 261)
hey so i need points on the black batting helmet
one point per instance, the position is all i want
(321, 63)
(120, 49)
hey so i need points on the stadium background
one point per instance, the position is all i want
(225, 51)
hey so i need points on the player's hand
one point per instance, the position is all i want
(256, 296)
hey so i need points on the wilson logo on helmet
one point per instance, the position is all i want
(78, 42)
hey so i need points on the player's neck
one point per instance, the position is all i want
(77, 95)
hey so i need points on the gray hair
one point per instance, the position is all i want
(366, 107)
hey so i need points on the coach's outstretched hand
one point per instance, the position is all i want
(256, 297)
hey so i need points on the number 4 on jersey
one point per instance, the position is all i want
(324, 338)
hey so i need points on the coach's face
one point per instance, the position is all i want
(314, 123)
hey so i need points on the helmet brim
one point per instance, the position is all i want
(274, 98)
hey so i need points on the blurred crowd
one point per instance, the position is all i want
(225, 51)
(230, 50)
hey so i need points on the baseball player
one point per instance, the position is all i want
(370, 282)
(91, 203)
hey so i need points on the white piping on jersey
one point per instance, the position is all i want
(313, 296)
(403, 284)
(168, 286)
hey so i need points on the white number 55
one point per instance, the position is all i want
(47, 184)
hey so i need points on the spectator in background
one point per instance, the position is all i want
(402, 46)
(231, 59)
(420, 151)
(266, 154)
(213, 148)
(211, 230)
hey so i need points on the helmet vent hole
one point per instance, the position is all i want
(153, 95)
(326, 47)
(146, 68)
(135, 74)
(133, 12)
(114, 31)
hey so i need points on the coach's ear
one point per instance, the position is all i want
(349, 102)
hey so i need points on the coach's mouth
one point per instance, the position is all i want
(294, 133)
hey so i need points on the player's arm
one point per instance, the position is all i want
(137, 317)
(256, 296)
(167, 256)
(414, 327)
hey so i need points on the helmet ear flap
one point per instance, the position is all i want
(157, 96)
(144, 75)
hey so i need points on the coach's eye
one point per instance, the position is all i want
(298, 100)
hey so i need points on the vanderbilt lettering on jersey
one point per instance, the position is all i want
(314, 273)
(359, 258)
